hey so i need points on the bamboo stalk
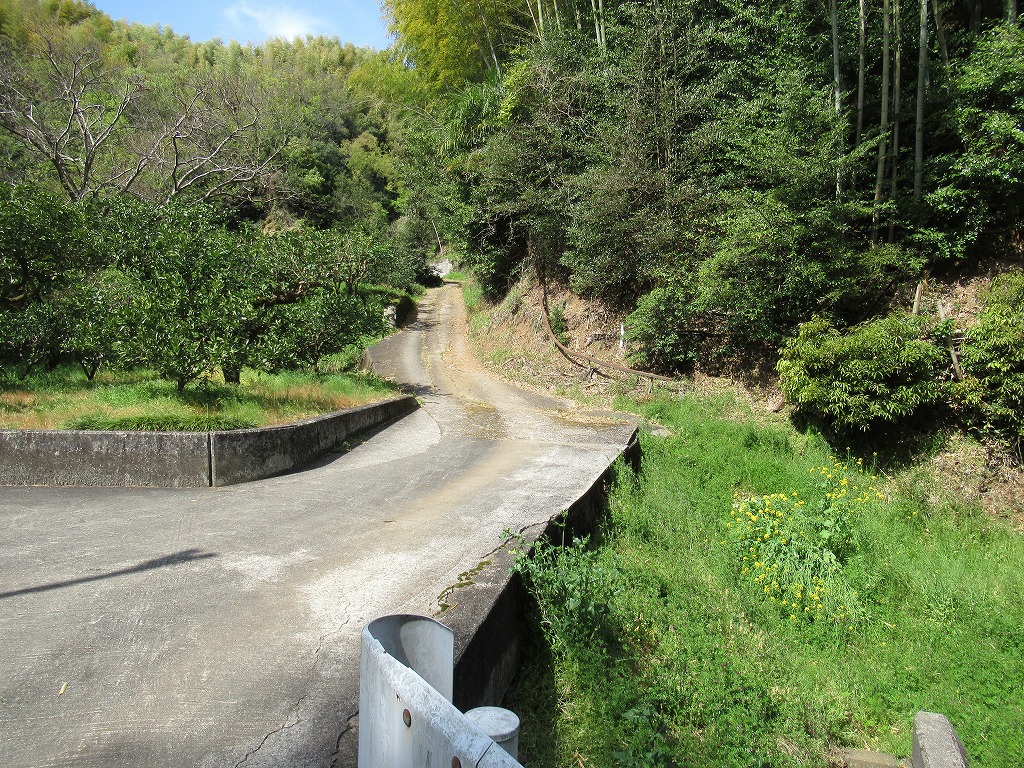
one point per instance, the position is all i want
(922, 71)
(883, 124)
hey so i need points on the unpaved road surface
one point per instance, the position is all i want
(220, 627)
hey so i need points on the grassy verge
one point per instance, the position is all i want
(138, 400)
(719, 619)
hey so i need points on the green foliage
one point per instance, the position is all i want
(44, 245)
(880, 372)
(684, 661)
(791, 554)
(663, 331)
(983, 180)
(993, 358)
(189, 296)
(472, 295)
(556, 316)
(44, 249)
(100, 320)
(574, 589)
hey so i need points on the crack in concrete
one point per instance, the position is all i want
(294, 711)
(349, 725)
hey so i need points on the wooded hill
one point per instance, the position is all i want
(746, 178)
(747, 183)
(192, 208)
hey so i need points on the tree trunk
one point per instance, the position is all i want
(895, 153)
(940, 33)
(232, 373)
(1011, 11)
(883, 124)
(861, 67)
(838, 80)
(600, 22)
(922, 74)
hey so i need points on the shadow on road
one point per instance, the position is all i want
(185, 556)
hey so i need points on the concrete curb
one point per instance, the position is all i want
(182, 459)
(488, 617)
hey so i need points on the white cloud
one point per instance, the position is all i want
(256, 21)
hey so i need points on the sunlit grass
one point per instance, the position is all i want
(64, 399)
(664, 648)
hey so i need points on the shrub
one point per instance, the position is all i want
(994, 360)
(661, 330)
(558, 325)
(880, 372)
(575, 592)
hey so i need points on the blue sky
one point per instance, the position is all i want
(354, 21)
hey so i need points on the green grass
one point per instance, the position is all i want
(138, 400)
(656, 648)
(472, 295)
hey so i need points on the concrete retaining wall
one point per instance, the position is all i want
(125, 459)
(181, 459)
(242, 455)
(489, 619)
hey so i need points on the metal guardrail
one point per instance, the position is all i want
(406, 715)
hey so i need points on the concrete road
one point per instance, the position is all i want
(219, 627)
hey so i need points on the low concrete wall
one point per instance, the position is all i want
(489, 619)
(181, 459)
(124, 459)
(242, 455)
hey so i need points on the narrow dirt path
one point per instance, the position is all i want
(219, 627)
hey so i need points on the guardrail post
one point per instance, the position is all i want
(406, 717)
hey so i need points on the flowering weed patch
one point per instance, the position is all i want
(791, 554)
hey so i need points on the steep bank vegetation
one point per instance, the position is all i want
(725, 173)
(829, 191)
(753, 599)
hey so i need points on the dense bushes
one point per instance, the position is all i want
(994, 361)
(894, 369)
(882, 371)
(173, 288)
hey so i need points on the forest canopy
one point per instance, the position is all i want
(194, 208)
(725, 172)
(722, 173)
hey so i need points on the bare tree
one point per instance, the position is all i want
(213, 144)
(69, 110)
(101, 128)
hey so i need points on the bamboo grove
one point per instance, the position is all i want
(725, 172)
